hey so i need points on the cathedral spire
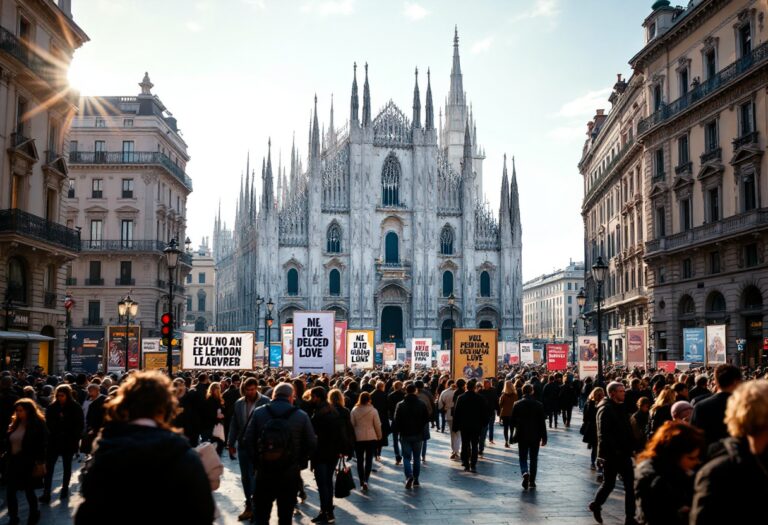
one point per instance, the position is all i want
(467, 143)
(331, 131)
(294, 167)
(353, 114)
(514, 205)
(269, 197)
(430, 112)
(315, 149)
(366, 100)
(456, 93)
(279, 178)
(416, 121)
(504, 216)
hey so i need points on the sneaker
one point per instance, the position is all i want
(526, 480)
(409, 483)
(416, 482)
(596, 512)
(454, 455)
(320, 518)
(330, 518)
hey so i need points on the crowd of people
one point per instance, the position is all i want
(681, 443)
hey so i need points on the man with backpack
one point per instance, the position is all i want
(279, 434)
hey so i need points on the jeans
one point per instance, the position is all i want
(550, 415)
(411, 449)
(66, 461)
(481, 441)
(611, 469)
(491, 421)
(508, 429)
(364, 451)
(527, 450)
(396, 441)
(567, 416)
(280, 487)
(324, 478)
(441, 420)
(247, 472)
(470, 442)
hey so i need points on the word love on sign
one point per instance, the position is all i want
(313, 342)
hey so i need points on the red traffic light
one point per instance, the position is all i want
(165, 318)
(165, 330)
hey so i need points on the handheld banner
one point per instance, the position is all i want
(667, 366)
(217, 350)
(636, 347)
(87, 350)
(275, 356)
(400, 353)
(474, 353)
(444, 360)
(314, 338)
(116, 346)
(286, 337)
(716, 344)
(390, 353)
(511, 353)
(557, 357)
(526, 353)
(694, 342)
(360, 349)
(258, 354)
(587, 356)
(340, 333)
(421, 350)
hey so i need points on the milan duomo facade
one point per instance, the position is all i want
(386, 226)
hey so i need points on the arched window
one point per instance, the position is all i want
(687, 306)
(715, 302)
(334, 282)
(446, 240)
(17, 280)
(447, 283)
(201, 301)
(485, 324)
(391, 249)
(485, 284)
(293, 281)
(334, 239)
(752, 298)
(390, 181)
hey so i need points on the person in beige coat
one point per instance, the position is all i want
(445, 403)
(365, 420)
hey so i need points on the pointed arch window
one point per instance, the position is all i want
(390, 181)
(446, 240)
(485, 284)
(447, 283)
(293, 281)
(391, 249)
(334, 282)
(334, 239)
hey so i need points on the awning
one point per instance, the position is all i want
(24, 336)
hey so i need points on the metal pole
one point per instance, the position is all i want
(573, 348)
(599, 339)
(169, 349)
(127, 327)
(68, 327)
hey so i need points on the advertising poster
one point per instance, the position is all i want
(444, 360)
(159, 360)
(150, 344)
(557, 357)
(636, 347)
(421, 350)
(474, 353)
(694, 343)
(715, 344)
(389, 353)
(618, 352)
(217, 350)
(511, 353)
(286, 337)
(435, 349)
(314, 338)
(587, 348)
(361, 352)
(340, 332)
(538, 352)
(275, 355)
(87, 350)
(116, 348)
(378, 358)
(667, 366)
(400, 353)
(526, 353)
(258, 354)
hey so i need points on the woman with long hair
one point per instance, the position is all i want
(589, 427)
(661, 411)
(66, 422)
(506, 402)
(365, 420)
(664, 474)
(26, 439)
(213, 415)
(379, 402)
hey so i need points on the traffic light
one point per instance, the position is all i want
(166, 330)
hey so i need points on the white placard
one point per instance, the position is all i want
(286, 339)
(150, 345)
(360, 349)
(313, 342)
(217, 351)
(526, 353)
(421, 352)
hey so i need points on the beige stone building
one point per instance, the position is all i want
(549, 304)
(200, 288)
(128, 195)
(37, 42)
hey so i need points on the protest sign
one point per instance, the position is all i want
(360, 349)
(474, 353)
(667, 366)
(421, 351)
(314, 338)
(526, 353)
(716, 344)
(217, 350)
(275, 355)
(694, 343)
(287, 341)
(340, 332)
(159, 360)
(557, 357)
(150, 344)
(258, 354)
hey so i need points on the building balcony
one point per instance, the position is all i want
(713, 154)
(92, 281)
(125, 282)
(715, 231)
(686, 167)
(133, 158)
(88, 321)
(746, 140)
(609, 169)
(20, 225)
(726, 77)
(118, 245)
(11, 45)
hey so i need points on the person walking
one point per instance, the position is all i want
(567, 399)
(551, 397)
(410, 417)
(709, 413)
(426, 397)
(365, 420)
(379, 402)
(26, 441)
(491, 398)
(506, 403)
(189, 412)
(94, 417)
(469, 418)
(589, 426)
(65, 421)
(393, 399)
(661, 411)
(213, 417)
(530, 432)
(328, 426)
(615, 447)
(446, 405)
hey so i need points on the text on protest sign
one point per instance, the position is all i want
(421, 353)
(360, 349)
(474, 353)
(313, 342)
(218, 350)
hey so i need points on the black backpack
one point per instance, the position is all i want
(275, 449)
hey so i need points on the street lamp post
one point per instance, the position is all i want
(259, 300)
(127, 308)
(171, 253)
(599, 269)
(451, 302)
(268, 324)
(581, 299)
(68, 304)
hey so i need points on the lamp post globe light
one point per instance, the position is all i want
(581, 299)
(599, 269)
(127, 308)
(451, 303)
(268, 323)
(171, 253)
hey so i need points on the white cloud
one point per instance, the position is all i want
(568, 133)
(483, 45)
(193, 26)
(329, 7)
(539, 9)
(585, 105)
(258, 4)
(414, 11)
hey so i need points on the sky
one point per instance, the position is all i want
(238, 72)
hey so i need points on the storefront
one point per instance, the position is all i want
(17, 347)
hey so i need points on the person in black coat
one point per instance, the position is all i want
(135, 454)
(26, 440)
(393, 399)
(589, 425)
(190, 411)
(380, 403)
(491, 397)
(530, 432)
(551, 397)
(567, 398)
(65, 421)
(469, 417)
(700, 391)
(411, 415)
(94, 417)
(329, 426)
(709, 413)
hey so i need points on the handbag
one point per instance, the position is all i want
(345, 483)
(218, 431)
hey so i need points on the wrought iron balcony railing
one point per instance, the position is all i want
(119, 245)
(747, 138)
(93, 281)
(48, 71)
(131, 158)
(28, 225)
(91, 321)
(686, 167)
(125, 282)
(714, 154)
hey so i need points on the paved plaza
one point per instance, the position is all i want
(447, 495)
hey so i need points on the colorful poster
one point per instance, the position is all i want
(694, 344)
(538, 352)
(378, 358)
(275, 355)
(716, 346)
(258, 354)
(587, 347)
(389, 353)
(87, 350)
(400, 353)
(526, 353)
(314, 337)
(474, 353)
(421, 350)
(116, 346)
(444, 360)
(511, 353)
(217, 350)
(666, 366)
(557, 357)
(361, 353)
(340, 332)
(159, 361)
(286, 337)
(636, 347)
